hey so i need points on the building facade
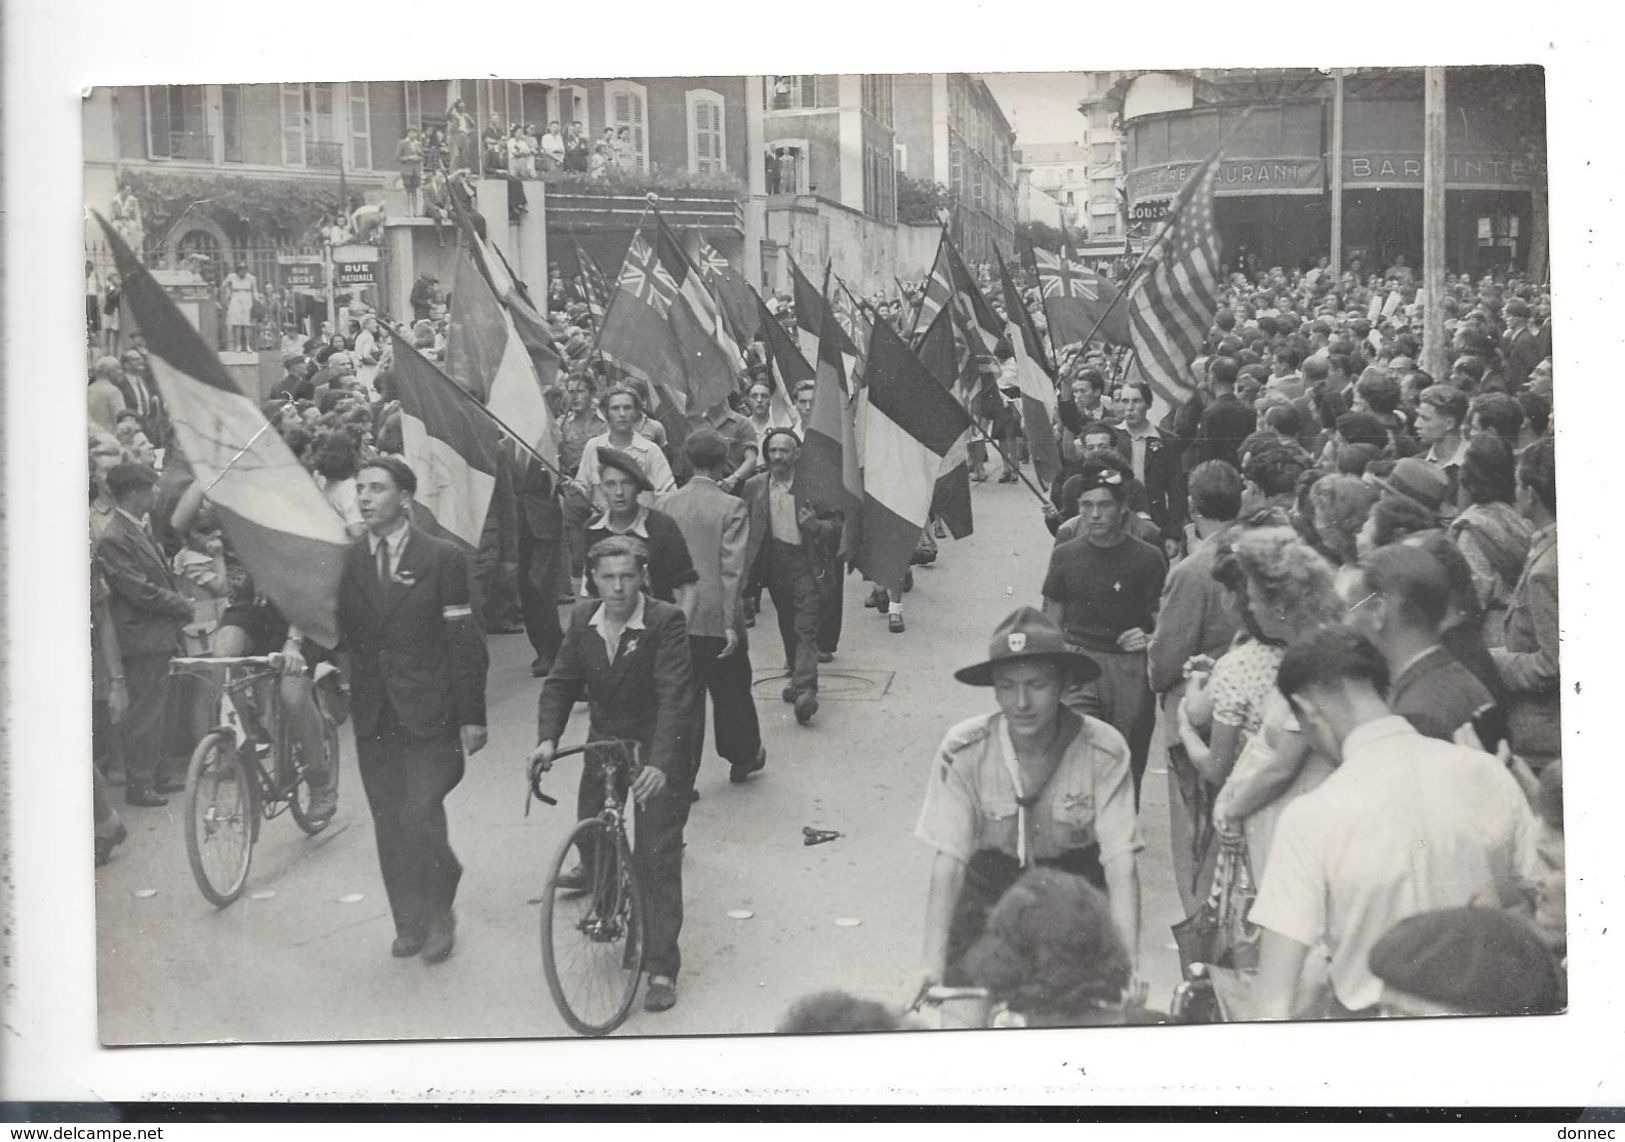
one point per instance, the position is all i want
(952, 131)
(1059, 171)
(1273, 192)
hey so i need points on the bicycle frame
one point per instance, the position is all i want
(251, 676)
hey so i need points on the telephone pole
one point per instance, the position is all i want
(1433, 219)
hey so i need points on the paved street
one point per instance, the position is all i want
(299, 957)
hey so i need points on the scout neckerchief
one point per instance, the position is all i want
(1007, 747)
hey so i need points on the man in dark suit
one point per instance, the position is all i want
(1154, 461)
(417, 694)
(1519, 344)
(141, 397)
(786, 533)
(716, 528)
(628, 655)
(148, 613)
(1226, 421)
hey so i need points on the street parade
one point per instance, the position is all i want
(765, 589)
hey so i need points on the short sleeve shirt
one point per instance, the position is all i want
(970, 797)
(1242, 680)
(1104, 591)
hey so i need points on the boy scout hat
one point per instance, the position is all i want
(1028, 633)
(621, 462)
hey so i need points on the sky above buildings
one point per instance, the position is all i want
(1042, 106)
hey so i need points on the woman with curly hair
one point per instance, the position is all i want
(1339, 506)
(1284, 589)
(1258, 756)
(1051, 955)
(1489, 532)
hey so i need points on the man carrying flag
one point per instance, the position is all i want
(1034, 381)
(1075, 300)
(911, 424)
(1172, 302)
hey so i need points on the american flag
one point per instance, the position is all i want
(646, 279)
(591, 282)
(1172, 305)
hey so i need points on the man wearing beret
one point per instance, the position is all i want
(621, 484)
(1466, 961)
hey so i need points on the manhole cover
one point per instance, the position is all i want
(840, 685)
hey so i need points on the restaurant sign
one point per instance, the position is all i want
(1235, 178)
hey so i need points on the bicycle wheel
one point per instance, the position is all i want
(592, 942)
(299, 796)
(221, 818)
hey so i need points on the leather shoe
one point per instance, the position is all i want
(806, 706)
(739, 774)
(144, 799)
(825, 656)
(405, 947)
(789, 693)
(539, 669)
(661, 994)
(170, 787)
(441, 938)
(574, 880)
(894, 623)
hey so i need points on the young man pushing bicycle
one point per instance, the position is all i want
(629, 655)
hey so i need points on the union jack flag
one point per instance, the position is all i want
(712, 264)
(1062, 277)
(643, 276)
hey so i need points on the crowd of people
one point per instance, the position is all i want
(1330, 576)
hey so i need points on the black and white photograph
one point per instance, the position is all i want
(822, 553)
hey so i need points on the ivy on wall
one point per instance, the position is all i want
(286, 208)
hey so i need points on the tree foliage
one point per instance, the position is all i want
(286, 209)
(919, 200)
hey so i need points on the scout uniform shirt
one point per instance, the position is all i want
(971, 795)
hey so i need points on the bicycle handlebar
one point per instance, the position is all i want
(229, 660)
(626, 745)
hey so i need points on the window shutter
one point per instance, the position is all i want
(158, 122)
(293, 125)
(360, 126)
(635, 107)
(809, 91)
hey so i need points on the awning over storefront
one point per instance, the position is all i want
(1283, 149)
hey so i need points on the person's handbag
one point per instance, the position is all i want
(925, 549)
(1219, 932)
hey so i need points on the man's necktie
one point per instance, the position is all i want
(383, 563)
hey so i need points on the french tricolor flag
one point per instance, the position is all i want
(276, 519)
(911, 424)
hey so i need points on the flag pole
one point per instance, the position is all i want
(648, 204)
(241, 452)
(1012, 465)
(1167, 224)
(489, 415)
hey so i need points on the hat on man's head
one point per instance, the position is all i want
(1477, 961)
(1027, 634)
(621, 462)
(1416, 479)
(1517, 307)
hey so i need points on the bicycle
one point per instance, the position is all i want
(592, 939)
(246, 769)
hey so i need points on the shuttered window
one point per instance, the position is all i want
(628, 106)
(707, 136)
